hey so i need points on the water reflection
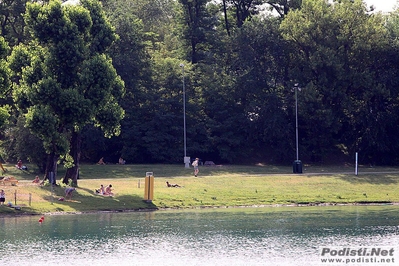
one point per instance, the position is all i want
(245, 236)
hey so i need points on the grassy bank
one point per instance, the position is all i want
(216, 186)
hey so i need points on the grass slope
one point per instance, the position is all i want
(217, 186)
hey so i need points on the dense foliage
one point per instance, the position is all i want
(238, 62)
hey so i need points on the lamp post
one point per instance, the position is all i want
(185, 159)
(296, 120)
(297, 167)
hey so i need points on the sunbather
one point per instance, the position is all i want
(101, 190)
(108, 190)
(172, 185)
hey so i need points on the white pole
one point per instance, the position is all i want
(186, 164)
(356, 164)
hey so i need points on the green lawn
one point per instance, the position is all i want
(216, 186)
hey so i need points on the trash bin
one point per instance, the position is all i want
(297, 167)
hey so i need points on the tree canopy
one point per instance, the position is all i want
(64, 79)
(107, 76)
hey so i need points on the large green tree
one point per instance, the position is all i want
(340, 55)
(282, 7)
(197, 23)
(259, 68)
(64, 79)
(131, 58)
(5, 82)
(12, 22)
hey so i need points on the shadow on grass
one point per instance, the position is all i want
(95, 202)
(375, 179)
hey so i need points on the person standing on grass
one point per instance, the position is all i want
(68, 192)
(195, 164)
(2, 197)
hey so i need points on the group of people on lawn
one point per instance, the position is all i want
(107, 191)
(102, 162)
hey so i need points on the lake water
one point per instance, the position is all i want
(233, 236)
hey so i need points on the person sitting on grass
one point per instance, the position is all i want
(172, 185)
(101, 161)
(101, 190)
(19, 165)
(69, 191)
(36, 180)
(108, 190)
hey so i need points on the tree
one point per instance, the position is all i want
(340, 58)
(5, 83)
(20, 143)
(12, 22)
(131, 58)
(260, 73)
(197, 23)
(4, 75)
(282, 7)
(64, 80)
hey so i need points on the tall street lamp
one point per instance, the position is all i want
(297, 166)
(185, 159)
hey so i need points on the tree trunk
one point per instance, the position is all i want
(51, 168)
(226, 21)
(73, 173)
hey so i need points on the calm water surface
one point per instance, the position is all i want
(243, 236)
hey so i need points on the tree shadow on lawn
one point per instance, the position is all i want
(375, 179)
(97, 202)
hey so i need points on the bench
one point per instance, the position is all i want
(9, 180)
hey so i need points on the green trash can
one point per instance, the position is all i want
(297, 167)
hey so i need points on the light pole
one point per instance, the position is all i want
(185, 159)
(296, 120)
(297, 167)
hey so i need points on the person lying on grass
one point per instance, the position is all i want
(172, 185)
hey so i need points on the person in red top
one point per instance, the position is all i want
(36, 180)
(19, 164)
